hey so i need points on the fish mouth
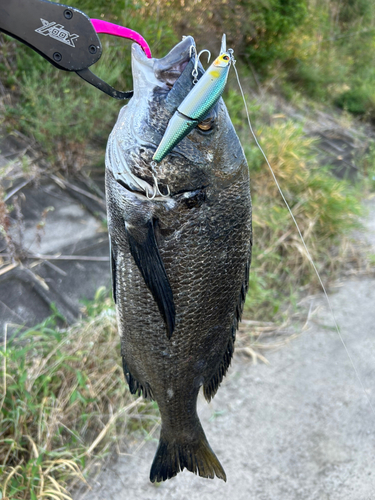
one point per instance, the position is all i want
(168, 69)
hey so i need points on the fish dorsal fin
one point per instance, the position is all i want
(212, 385)
(113, 269)
(145, 251)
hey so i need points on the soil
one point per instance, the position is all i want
(300, 428)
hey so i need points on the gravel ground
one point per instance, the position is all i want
(301, 428)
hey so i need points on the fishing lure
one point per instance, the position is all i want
(193, 109)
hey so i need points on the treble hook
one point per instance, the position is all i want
(191, 50)
(157, 190)
(150, 197)
(196, 62)
(156, 187)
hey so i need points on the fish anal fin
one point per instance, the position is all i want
(135, 386)
(196, 456)
(145, 251)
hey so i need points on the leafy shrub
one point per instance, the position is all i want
(330, 56)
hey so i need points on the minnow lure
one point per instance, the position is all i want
(193, 109)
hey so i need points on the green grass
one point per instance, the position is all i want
(63, 389)
(326, 210)
(63, 403)
(64, 114)
(329, 56)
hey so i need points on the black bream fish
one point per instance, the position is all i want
(180, 234)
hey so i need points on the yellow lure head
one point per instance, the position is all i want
(223, 60)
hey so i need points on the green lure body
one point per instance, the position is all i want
(203, 96)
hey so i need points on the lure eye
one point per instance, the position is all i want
(225, 58)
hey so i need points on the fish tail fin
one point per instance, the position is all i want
(173, 456)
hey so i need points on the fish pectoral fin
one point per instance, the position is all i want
(145, 251)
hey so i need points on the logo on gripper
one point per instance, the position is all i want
(57, 32)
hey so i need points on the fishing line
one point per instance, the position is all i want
(304, 244)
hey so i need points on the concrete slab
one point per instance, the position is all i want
(54, 222)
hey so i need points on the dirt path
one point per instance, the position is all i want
(299, 429)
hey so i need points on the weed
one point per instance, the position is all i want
(367, 167)
(63, 402)
(325, 208)
(329, 57)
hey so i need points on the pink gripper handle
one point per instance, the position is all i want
(116, 30)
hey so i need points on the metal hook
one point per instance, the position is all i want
(156, 186)
(196, 62)
(168, 193)
(150, 197)
(157, 190)
(208, 52)
(192, 49)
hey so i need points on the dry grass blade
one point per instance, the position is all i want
(252, 329)
(57, 414)
(110, 423)
(35, 449)
(58, 487)
(56, 495)
(16, 189)
(12, 472)
(250, 334)
(64, 183)
(278, 345)
(4, 389)
(8, 268)
(88, 258)
(253, 354)
(275, 244)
